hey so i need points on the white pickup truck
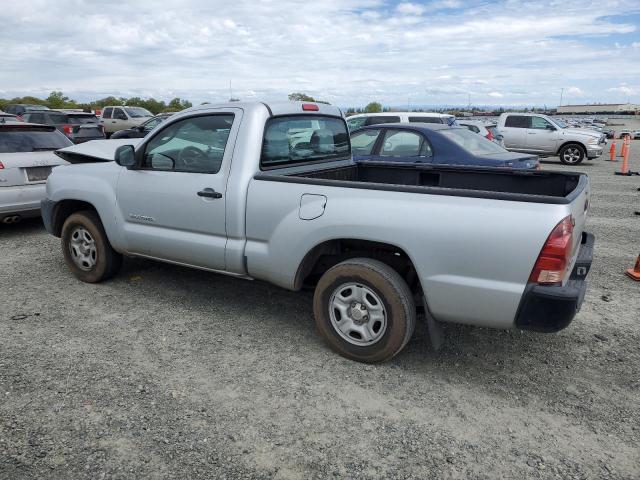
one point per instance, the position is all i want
(270, 192)
(546, 136)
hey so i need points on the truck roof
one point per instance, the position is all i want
(274, 108)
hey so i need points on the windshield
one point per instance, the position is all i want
(304, 138)
(30, 140)
(138, 112)
(472, 142)
(559, 123)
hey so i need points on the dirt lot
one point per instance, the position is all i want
(167, 372)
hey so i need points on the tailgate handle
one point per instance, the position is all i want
(209, 193)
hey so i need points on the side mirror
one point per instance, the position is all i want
(125, 156)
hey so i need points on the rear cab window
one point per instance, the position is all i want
(299, 139)
(81, 119)
(106, 113)
(426, 120)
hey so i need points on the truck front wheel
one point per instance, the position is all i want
(86, 248)
(572, 154)
(364, 310)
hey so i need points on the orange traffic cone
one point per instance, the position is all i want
(635, 271)
(612, 152)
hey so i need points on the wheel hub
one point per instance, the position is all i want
(358, 313)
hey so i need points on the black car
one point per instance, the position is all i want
(434, 144)
(140, 131)
(20, 109)
(79, 127)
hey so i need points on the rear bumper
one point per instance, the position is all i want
(552, 308)
(21, 199)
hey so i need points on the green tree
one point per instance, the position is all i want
(178, 104)
(301, 97)
(373, 107)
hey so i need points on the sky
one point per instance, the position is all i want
(347, 52)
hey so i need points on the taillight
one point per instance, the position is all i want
(310, 107)
(68, 129)
(1, 166)
(489, 135)
(554, 258)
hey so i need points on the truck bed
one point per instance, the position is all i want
(524, 186)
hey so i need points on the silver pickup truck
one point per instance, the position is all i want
(270, 192)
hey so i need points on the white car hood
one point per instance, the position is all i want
(95, 150)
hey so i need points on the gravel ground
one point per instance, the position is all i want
(166, 372)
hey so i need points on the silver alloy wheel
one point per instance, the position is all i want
(83, 249)
(572, 155)
(357, 314)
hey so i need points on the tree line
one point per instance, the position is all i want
(58, 99)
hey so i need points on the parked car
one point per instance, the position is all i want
(625, 133)
(366, 119)
(77, 126)
(225, 188)
(544, 136)
(115, 118)
(141, 130)
(20, 109)
(609, 133)
(7, 116)
(26, 160)
(434, 144)
(636, 134)
(486, 129)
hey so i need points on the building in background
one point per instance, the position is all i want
(620, 108)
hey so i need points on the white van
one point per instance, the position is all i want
(365, 119)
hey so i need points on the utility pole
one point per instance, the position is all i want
(230, 91)
(561, 94)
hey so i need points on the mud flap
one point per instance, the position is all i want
(436, 333)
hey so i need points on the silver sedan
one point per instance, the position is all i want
(26, 160)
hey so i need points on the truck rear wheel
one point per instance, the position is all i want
(86, 248)
(364, 310)
(572, 154)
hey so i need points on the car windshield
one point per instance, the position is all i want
(472, 142)
(138, 112)
(81, 119)
(31, 140)
(559, 123)
(304, 138)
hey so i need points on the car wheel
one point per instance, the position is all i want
(572, 154)
(364, 310)
(86, 248)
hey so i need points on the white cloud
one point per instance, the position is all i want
(349, 51)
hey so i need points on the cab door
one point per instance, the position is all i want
(120, 120)
(515, 131)
(173, 203)
(542, 135)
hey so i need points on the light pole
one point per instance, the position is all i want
(561, 93)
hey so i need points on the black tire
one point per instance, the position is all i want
(572, 154)
(397, 301)
(107, 260)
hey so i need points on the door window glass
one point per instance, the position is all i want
(119, 114)
(195, 144)
(362, 142)
(539, 123)
(381, 119)
(106, 113)
(401, 144)
(517, 121)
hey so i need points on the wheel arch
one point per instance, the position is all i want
(328, 253)
(572, 142)
(65, 208)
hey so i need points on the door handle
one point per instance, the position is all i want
(209, 193)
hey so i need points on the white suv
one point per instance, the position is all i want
(365, 119)
(119, 117)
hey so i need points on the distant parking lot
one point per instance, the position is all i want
(170, 372)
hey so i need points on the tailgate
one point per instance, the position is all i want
(579, 208)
